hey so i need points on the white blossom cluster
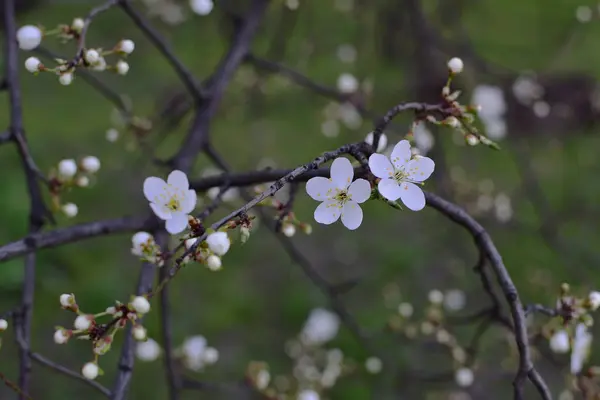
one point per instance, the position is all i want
(68, 174)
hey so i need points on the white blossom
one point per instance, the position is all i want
(347, 83)
(100, 65)
(140, 304)
(288, 230)
(67, 168)
(142, 242)
(193, 350)
(435, 297)
(148, 350)
(90, 164)
(580, 352)
(126, 46)
(263, 377)
(171, 201)
(61, 336)
(594, 300)
(67, 300)
(139, 333)
(122, 67)
(29, 37)
(66, 78)
(77, 24)
(399, 178)
(455, 300)
(90, 370)
(560, 342)
(82, 181)
(32, 64)
(456, 65)
(92, 56)
(83, 322)
(3, 325)
(308, 394)
(213, 262)
(383, 141)
(339, 195)
(406, 310)
(373, 365)
(320, 327)
(464, 377)
(70, 209)
(584, 14)
(218, 243)
(201, 7)
(112, 135)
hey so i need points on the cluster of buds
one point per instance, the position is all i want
(68, 174)
(210, 251)
(29, 37)
(87, 327)
(288, 223)
(144, 246)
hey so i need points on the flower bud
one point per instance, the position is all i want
(77, 24)
(213, 262)
(126, 46)
(122, 67)
(29, 37)
(33, 64)
(66, 78)
(70, 210)
(67, 168)
(92, 56)
(288, 230)
(139, 333)
(90, 164)
(455, 65)
(244, 234)
(140, 304)
(218, 243)
(83, 322)
(90, 370)
(61, 336)
(67, 300)
(3, 325)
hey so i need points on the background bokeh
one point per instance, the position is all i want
(538, 196)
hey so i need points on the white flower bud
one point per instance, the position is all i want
(435, 297)
(201, 7)
(140, 304)
(70, 210)
(406, 310)
(262, 379)
(383, 141)
(67, 168)
(3, 325)
(373, 365)
(83, 322)
(472, 140)
(122, 67)
(288, 230)
(126, 46)
(210, 355)
(67, 300)
(78, 24)
(594, 300)
(61, 336)
(111, 310)
(213, 262)
(90, 370)
(90, 164)
(455, 65)
(244, 234)
(560, 342)
(92, 56)
(82, 181)
(347, 83)
(32, 64)
(66, 78)
(452, 122)
(148, 350)
(464, 377)
(218, 243)
(112, 135)
(99, 65)
(139, 333)
(29, 37)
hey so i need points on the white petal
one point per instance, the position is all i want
(161, 212)
(412, 196)
(420, 168)
(389, 189)
(380, 166)
(360, 190)
(342, 172)
(177, 223)
(319, 188)
(178, 179)
(328, 212)
(153, 187)
(352, 215)
(401, 154)
(189, 201)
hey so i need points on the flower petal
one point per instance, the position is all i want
(380, 166)
(352, 215)
(389, 189)
(177, 223)
(342, 172)
(161, 211)
(412, 196)
(328, 212)
(420, 168)
(360, 190)
(178, 179)
(153, 188)
(189, 201)
(319, 188)
(401, 154)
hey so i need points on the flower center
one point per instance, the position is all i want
(342, 196)
(400, 176)
(173, 204)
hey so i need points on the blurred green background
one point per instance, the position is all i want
(260, 300)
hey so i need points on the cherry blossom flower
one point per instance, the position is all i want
(400, 176)
(171, 201)
(339, 195)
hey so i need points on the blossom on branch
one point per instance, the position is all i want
(400, 176)
(171, 201)
(339, 195)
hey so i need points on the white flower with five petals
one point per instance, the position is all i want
(400, 175)
(339, 195)
(171, 201)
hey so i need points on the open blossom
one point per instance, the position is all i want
(171, 201)
(582, 343)
(339, 195)
(400, 175)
